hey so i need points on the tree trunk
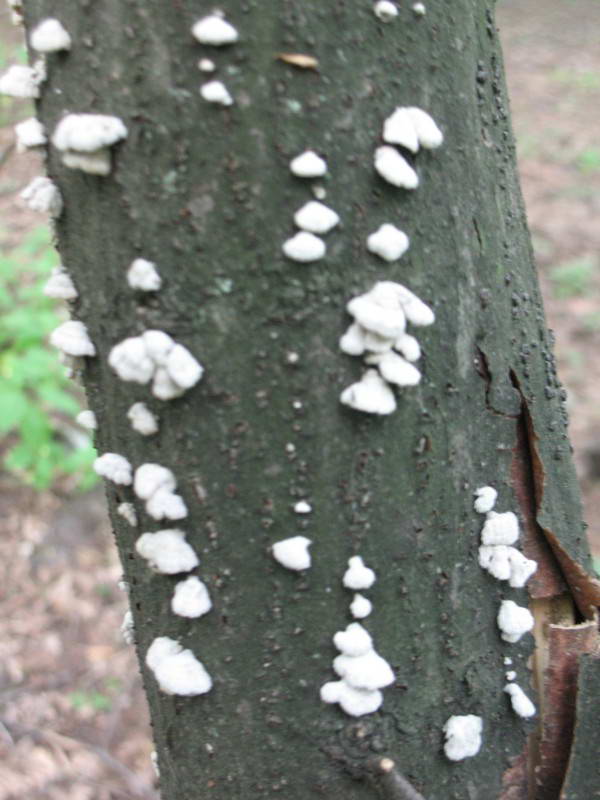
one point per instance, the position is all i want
(206, 193)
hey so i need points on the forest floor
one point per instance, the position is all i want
(73, 719)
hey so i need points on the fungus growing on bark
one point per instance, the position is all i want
(143, 275)
(49, 37)
(500, 529)
(316, 217)
(302, 507)
(206, 65)
(214, 30)
(355, 702)
(394, 168)
(308, 165)
(127, 629)
(395, 369)
(113, 467)
(388, 242)
(216, 92)
(142, 419)
(167, 551)
(419, 9)
(127, 511)
(385, 10)
(72, 339)
(360, 607)
(156, 485)
(177, 671)
(485, 499)
(20, 81)
(293, 553)
(412, 128)
(514, 621)
(521, 704)
(304, 247)
(84, 141)
(42, 195)
(87, 419)
(60, 286)
(191, 598)
(30, 133)
(358, 576)
(428, 133)
(370, 394)
(463, 736)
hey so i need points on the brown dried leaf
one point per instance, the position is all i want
(299, 60)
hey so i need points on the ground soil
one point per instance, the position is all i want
(73, 720)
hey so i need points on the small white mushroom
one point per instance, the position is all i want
(463, 736)
(399, 129)
(142, 419)
(419, 9)
(304, 247)
(385, 10)
(510, 675)
(42, 195)
(395, 369)
(485, 499)
(130, 360)
(182, 367)
(158, 345)
(87, 419)
(191, 598)
(302, 507)
(149, 478)
(416, 311)
(72, 338)
(354, 640)
(375, 314)
(20, 81)
(308, 165)
(353, 341)
(177, 671)
(358, 576)
(388, 242)
(355, 702)
(164, 387)
(164, 504)
(113, 467)
(360, 607)
(514, 621)
(495, 559)
(368, 671)
(30, 133)
(500, 528)
(428, 133)
(521, 704)
(371, 394)
(127, 629)
(88, 132)
(521, 568)
(216, 92)
(127, 511)
(394, 168)
(60, 286)
(316, 217)
(214, 30)
(49, 37)
(206, 65)
(167, 552)
(293, 553)
(408, 346)
(97, 162)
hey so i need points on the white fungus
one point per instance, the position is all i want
(353, 341)
(399, 129)
(308, 165)
(97, 162)
(88, 132)
(485, 499)
(419, 9)
(42, 195)
(371, 395)
(177, 671)
(514, 621)
(127, 511)
(142, 419)
(521, 568)
(72, 338)
(113, 467)
(395, 369)
(500, 528)
(385, 10)
(60, 286)
(463, 736)
(304, 247)
(167, 552)
(394, 168)
(388, 242)
(302, 507)
(215, 31)
(316, 217)
(293, 553)
(50, 37)
(87, 419)
(360, 607)
(149, 478)
(354, 640)
(206, 65)
(182, 367)
(216, 92)
(355, 702)
(20, 81)
(428, 133)
(408, 346)
(30, 133)
(143, 275)
(358, 576)
(495, 559)
(367, 671)
(130, 360)
(521, 704)
(166, 505)
(127, 629)
(510, 675)
(191, 598)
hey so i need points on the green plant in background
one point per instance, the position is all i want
(589, 159)
(573, 278)
(36, 398)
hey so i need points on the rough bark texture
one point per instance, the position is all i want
(206, 193)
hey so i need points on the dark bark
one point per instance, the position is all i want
(206, 193)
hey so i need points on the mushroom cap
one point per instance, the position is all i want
(88, 132)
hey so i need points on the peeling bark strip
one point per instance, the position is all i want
(205, 191)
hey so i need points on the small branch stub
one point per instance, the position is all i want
(394, 783)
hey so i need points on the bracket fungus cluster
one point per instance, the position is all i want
(143, 276)
(379, 334)
(293, 553)
(42, 195)
(177, 671)
(156, 485)
(84, 141)
(410, 128)
(214, 31)
(463, 736)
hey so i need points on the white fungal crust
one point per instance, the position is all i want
(419, 9)
(521, 704)
(385, 10)
(355, 702)
(408, 346)
(514, 621)
(72, 339)
(87, 419)
(143, 275)
(293, 553)
(521, 568)
(463, 736)
(358, 576)
(302, 507)
(388, 242)
(96, 163)
(394, 168)
(166, 505)
(130, 360)
(60, 286)
(156, 485)
(114, 467)
(361, 606)
(507, 564)
(395, 369)
(127, 511)
(167, 551)
(87, 133)
(371, 394)
(191, 598)
(30, 133)
(127, 629)
(354, 640)
(215, 31)
(21, 81)
(42, 195)
(368, 671)
(177, 671)
(142, 419)
(304, 247)
(49, 37)
(428, 133)
(399, 129)
(510, 675)
(485, 499)
(500, 528)
(216, 92)
(316, 217)
(308, 165)
(206, 65)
